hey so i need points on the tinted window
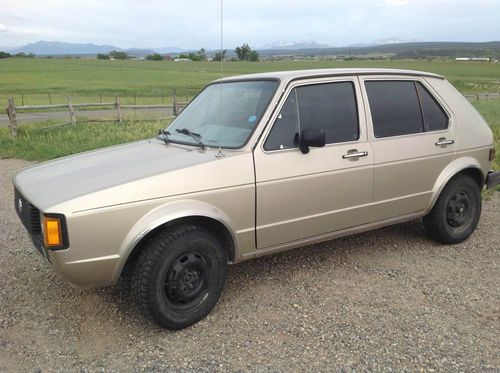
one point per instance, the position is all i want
(394, 107)
(331, 107)
(435, 118)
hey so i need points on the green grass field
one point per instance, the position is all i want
(89, 80)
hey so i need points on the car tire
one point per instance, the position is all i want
(179, 276)
(456, 212)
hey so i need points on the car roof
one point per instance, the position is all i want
(286, 76)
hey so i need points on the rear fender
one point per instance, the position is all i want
(452, 169)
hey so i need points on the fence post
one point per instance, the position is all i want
(22, 99)
(71, 112)
(11, 113)
(50, 98)
(174, 100)
(477, 96)
(118, 110)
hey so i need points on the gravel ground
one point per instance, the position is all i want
(386, 300)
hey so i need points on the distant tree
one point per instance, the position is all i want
(4, 54)
(118, 55)
(245, 53)
(254, 56)
(154, 57)
(218, 56)
(202, 53)
(101, 56)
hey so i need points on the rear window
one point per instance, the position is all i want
(403, 107)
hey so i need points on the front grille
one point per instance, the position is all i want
(29, 214)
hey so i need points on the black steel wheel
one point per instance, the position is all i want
(456, 212)
(179, 276)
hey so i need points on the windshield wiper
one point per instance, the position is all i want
(164, 135)
(194, 135)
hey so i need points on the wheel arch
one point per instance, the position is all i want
(462, 166)
(179, 213)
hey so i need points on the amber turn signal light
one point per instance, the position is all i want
(52, 232)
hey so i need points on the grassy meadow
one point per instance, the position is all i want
(145, 82)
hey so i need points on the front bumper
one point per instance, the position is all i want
(492, 179)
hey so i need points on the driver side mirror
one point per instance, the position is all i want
(311, 137)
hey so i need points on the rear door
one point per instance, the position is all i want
(412, 135)
(304, 195)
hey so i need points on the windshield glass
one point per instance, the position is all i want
(228, 125)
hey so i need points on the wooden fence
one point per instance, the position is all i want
(12, 110)
(482, 96)
(176, 108)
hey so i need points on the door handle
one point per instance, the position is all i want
(443, 141)
(355, 154)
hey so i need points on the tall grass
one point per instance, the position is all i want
(37, 144)
(490, 110)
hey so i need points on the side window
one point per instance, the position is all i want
(331, 107)
(394, 107)
(435, 118)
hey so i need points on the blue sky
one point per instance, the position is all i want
(193, 24)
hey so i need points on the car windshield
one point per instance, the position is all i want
(223, 114)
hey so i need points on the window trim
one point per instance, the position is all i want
(300, 83)
(428, 88)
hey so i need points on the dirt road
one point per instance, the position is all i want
(63, 115)
(386, 300)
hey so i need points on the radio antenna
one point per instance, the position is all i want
(221, 55)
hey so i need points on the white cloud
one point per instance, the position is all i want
(393, 3)
(3, 28)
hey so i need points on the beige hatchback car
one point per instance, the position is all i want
(255, 165)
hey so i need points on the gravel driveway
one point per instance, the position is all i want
(386, 300)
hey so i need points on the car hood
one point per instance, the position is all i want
(125, 173)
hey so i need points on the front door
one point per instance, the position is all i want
(328, 189)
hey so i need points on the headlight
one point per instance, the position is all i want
(54, 231)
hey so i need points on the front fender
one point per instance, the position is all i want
(448, 172)
(168, 212)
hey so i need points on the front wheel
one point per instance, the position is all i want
(456, 213)
(179, 276)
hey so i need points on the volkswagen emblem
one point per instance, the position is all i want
(20, 205)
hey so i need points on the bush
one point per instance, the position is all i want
(4, 54)
(118, 55)
(101, 56)
(154, 57)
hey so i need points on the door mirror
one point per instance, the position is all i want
(311, 137)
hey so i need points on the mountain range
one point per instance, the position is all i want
(53, 48)
(389, 46)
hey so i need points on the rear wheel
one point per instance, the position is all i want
(179, 276)
(456, 213)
